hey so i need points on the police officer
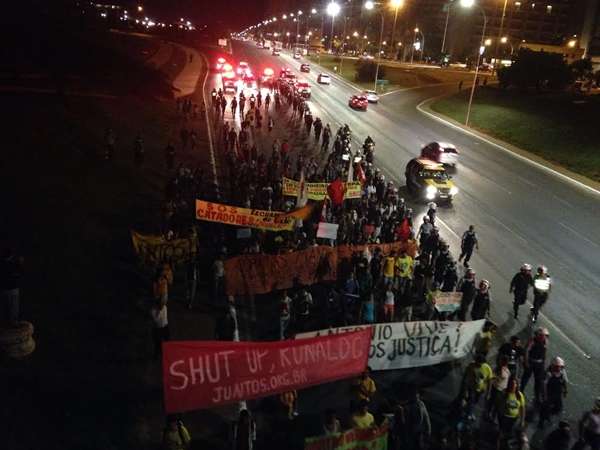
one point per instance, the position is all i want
(468, 287)
(519, 285)
(469, 242)
(535, 362)
(541, 289)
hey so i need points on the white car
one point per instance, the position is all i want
(372, 96)
(297, 55)
(323, 78)
(441, 152)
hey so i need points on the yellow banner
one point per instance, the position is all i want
(154, 249)
(251, 218)
(318, 191)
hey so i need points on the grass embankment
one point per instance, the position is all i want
(398, 76)
(558, 127)
(90, 383)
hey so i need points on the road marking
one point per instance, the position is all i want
(213, 162)
(563, 201)
(437, 219)
(506, 227)
(577, 233)
(524, 180)
(516, 155)
(567, 338)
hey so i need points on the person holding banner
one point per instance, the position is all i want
(175, 435)
(362, 418)
(364, 388)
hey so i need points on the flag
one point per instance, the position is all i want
(303, 195)
(351, 169)
(360, 174)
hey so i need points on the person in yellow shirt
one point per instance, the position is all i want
(365, 386)
(511, 410)
(389, 264)
(404, 270)
(477, 382)
(363, 418)
(175, 435)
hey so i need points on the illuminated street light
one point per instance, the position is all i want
(313, 11)
(396, 3)
(284, 17)
(572, 43)
(416, 29)
(333, 9)
(369, 5)
(140, 8)
(299, 13)
(504, 39)
(488, 42)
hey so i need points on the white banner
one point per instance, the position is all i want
(401, 345)
(327, 230)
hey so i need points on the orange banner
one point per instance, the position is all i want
(250, 218)
(260, 274)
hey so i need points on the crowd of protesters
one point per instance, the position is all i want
(372, 287)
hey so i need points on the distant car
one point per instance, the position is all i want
(358, 102)
(303, 88)
(242, 68)
(220, 62)
(276, 52)
(323, 78)
(249, 81)
(297, 55)
(441, 152)
(304, 67)
(428, 180)
(372, 96)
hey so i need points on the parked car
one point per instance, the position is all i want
(441, 152)
(372, 96)
(358, 102)
(303, 89)
(304, 67)
(323, 78)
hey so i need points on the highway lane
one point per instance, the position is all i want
(522, 213)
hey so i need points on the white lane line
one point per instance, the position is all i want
(563, 201)
(577, 233)
(506, 227)
(437, 219)
(526, 181)
(516, 155)
(566, 338)
(213, 162)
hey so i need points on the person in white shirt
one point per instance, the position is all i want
(161, 325)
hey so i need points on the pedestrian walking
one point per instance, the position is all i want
(476, 383)
(481, 302)
(233, 104)
(469, 242)
(520, 285)
(267, 101)
(511, 411)
(223, 105)
(270, 124)
(535, 363)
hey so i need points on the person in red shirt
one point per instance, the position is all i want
(336, 191)
(285, 148)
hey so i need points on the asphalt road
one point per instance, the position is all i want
(522, 213)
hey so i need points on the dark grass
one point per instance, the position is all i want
(558, 127)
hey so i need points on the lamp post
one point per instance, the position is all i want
(504, 40)
(495, 67)
(448, 5)
(343, 43)
(470, 4)
(396, 4)
(333, 9)
(370, 6)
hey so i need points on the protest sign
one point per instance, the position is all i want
(447, 302)
(327, 230)
(203, 374)
(260, 274)
(354, 439)
(318, 191)
(156, 249)
(401, 345)
(263, 273)
(252, 218)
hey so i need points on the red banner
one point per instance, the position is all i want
(204, 374)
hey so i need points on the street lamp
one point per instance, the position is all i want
(488, 42)
(370, 6)
(499, 34)
(333, 9)
(470, 4)
(396, 4)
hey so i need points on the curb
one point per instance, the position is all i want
(213, 162)
(524, 155)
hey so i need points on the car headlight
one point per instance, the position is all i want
(453, 190)
(431, 189)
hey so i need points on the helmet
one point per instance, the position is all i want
(526, 266)
(425, 218)
(432, 205)
(542, 331)
(542, 270)
(470, 272)
(484, 284)
(558, 361)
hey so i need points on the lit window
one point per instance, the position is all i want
(532, 5)
(517, 6)
(549, 9)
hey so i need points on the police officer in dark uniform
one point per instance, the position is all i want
(519, 285)
(468, 244)
(535, 363)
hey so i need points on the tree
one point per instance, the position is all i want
(536, 69)
(365, 71)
